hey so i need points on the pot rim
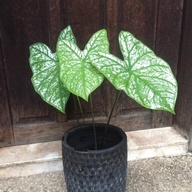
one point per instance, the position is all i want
(121, 132)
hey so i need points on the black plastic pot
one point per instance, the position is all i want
(89, 170)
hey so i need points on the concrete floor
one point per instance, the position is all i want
(160, 174)
(46, 157)
(157, 162)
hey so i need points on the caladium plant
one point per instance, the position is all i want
(142, 75)
(76, 72)
(56, 75)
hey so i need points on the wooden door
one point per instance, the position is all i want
(183, 118)
(25, 118)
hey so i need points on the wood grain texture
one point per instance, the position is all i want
(100, 100)
(169, 21)
(167, 42)
(24, 22)
(183, 118)
(48, 131)
(6, 132)
(138, 17)
(54, 22)
(85, 17)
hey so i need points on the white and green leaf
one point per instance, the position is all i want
(76, 72)
(45, 67)
(142, 75)
(67, 34)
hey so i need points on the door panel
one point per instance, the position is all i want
(6, 132)
(22, 28)
(168, 34)
(25, 22)
(183, 118)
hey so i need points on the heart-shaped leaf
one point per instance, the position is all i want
(76, 72)
(142, 75)
(67, 34)
(45, 67)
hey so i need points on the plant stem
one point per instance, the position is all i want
(81, 109)
(115, 102)
(93, 120)
(109, 118)
(75, 105)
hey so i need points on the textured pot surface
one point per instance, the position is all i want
(90, 170)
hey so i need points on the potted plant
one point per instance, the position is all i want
(95, 156)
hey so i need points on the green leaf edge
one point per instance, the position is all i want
(61, 109)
